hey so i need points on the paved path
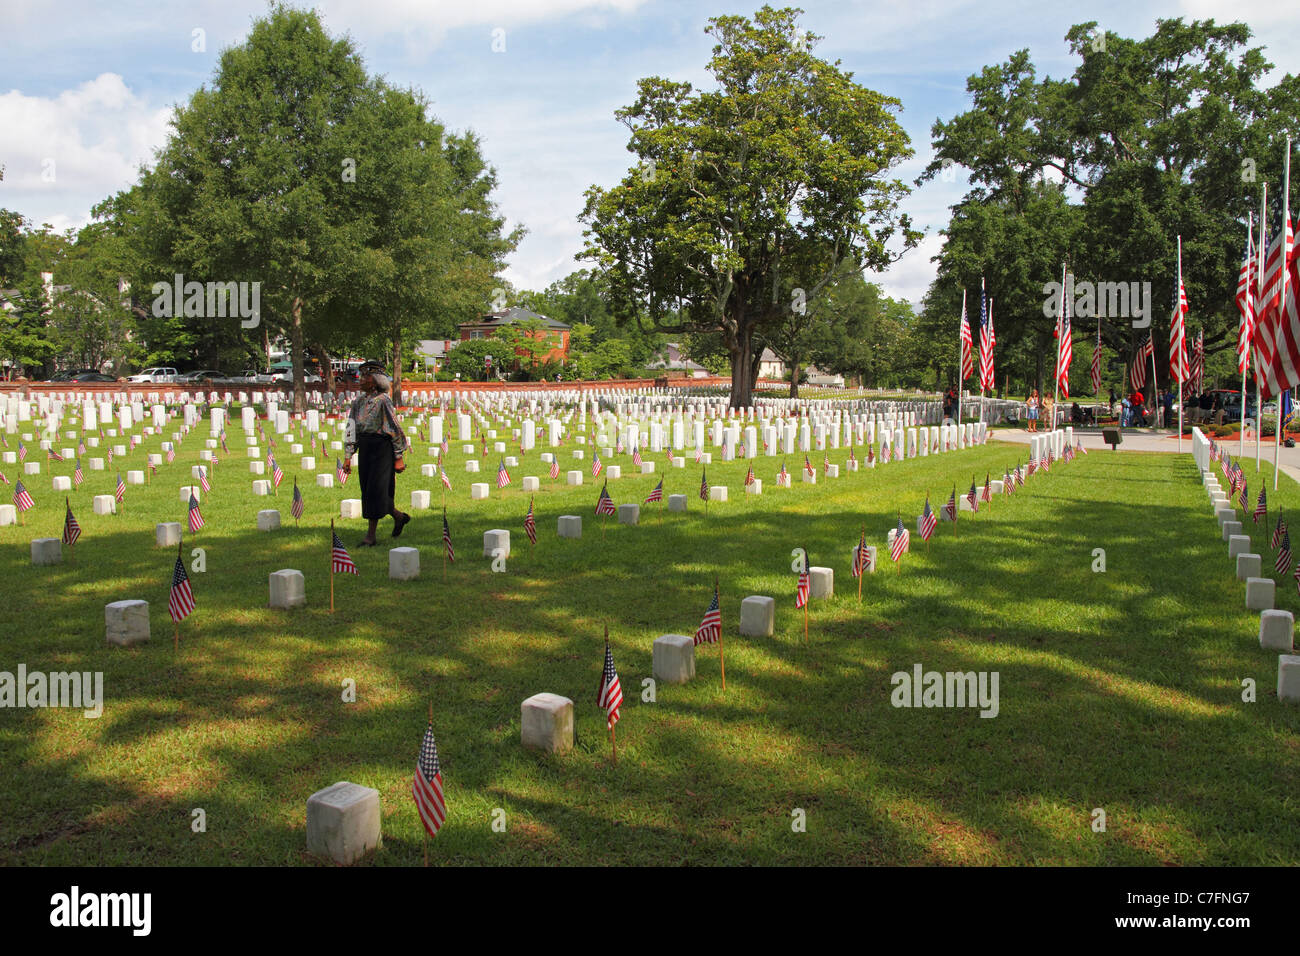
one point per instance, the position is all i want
(1146, 439)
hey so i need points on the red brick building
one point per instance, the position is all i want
(556, 333)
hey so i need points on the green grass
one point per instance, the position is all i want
(1119, 690)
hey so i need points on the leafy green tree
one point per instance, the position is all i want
(748, 192)
(467, 359)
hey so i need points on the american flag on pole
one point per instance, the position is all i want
(71, 530)
(1064, 351)
(605, 504)
(120, 492)
(1278, 531)
(1275, 331)
(987, 493)
(442, 476)
(951, 506)
(803, 586)
(296, 508)
(704, 485)
(1196, 377)
(1283, 562)
(610, 696)
(77, 476)
(1244, 498)
(340, 561)
(81, 447)
(710, 628)
(555, 467)
(1138, 371)
(596, 464)
(171, 455)
(861, 557)
(340, 475)
(110, 456)
(430, 802)
(987, 341)
(22, 500)
(967, 360)
(899, 546)
(446, 539)
(826, 464)
(180, 601)
(699, 454)
(207, 485)
(503, 476)
(657, 494)
(277, 475)
(807, 466)
(749, 476)
(928, 521)
(530, 523)
(1261, 507)
(195, 516)
(53, 455)
(1179, 370)
(1033, 463)
(636, 456)
(1008, 483)
(1246, 304)
(973, 497)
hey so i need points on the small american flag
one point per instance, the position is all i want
(1261, 508)
(951, 506)
(871, 454)
(605, 504)
(1033, 464)
(1008, 483)
(110, 456)
(611, 693)
(704, 485)
(180, 602)
(71, 530)
(1278, 531)
(171, 455)
(636, 456)
(195, 516)
(340, 561)
(297, 507)
(530, 523)
(120, 493)
(203, 480)
(77, 476)
(807, 466)
(277, 475)
(826, 464)
(1019, 475)
(861, 557)
(973, 497)
(22, 500)
(657, 494)
(227, 450)
(446, 539)
(782, 476)
(749, 476)
(801, 587)
(53, 455)
(928, 521)
(898, 547)
(1283, 562)
(503, 476)
(699, 455)
(339, 474)
(22, 451)
(1244, 499)
(555, 467)
(619, 449)
(710, 628)
(987, 493)
(430, 802)
(596, 464)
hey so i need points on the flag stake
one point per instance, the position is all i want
(722, 654)
(331, 565)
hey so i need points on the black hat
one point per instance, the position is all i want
(370, 365)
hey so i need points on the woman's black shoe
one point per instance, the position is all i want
(399, 523)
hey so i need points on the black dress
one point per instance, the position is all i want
(378, 479)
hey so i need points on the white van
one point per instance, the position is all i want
(159, 374)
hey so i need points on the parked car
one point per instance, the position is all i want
(203, 375)
(92, 377)
(283, 372)
(70, 375)
(159, 374)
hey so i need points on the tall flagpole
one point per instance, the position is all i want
(1259, 279)
(1277, 333)
(1250, 304)
(983, 345)
(960, 380)
(1060, 322)
(1178, 304)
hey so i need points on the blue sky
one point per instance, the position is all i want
(86, 87)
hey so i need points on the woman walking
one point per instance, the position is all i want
(374, 435)
(1031, 413)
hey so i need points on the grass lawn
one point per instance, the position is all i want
(1119, 690)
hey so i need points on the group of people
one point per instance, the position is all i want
(1036, 408)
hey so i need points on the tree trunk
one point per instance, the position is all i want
(741, 354)
(295, 339)
(794, 379)
(326, 366)
(397, 368)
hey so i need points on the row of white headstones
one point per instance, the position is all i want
(1276, 626)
